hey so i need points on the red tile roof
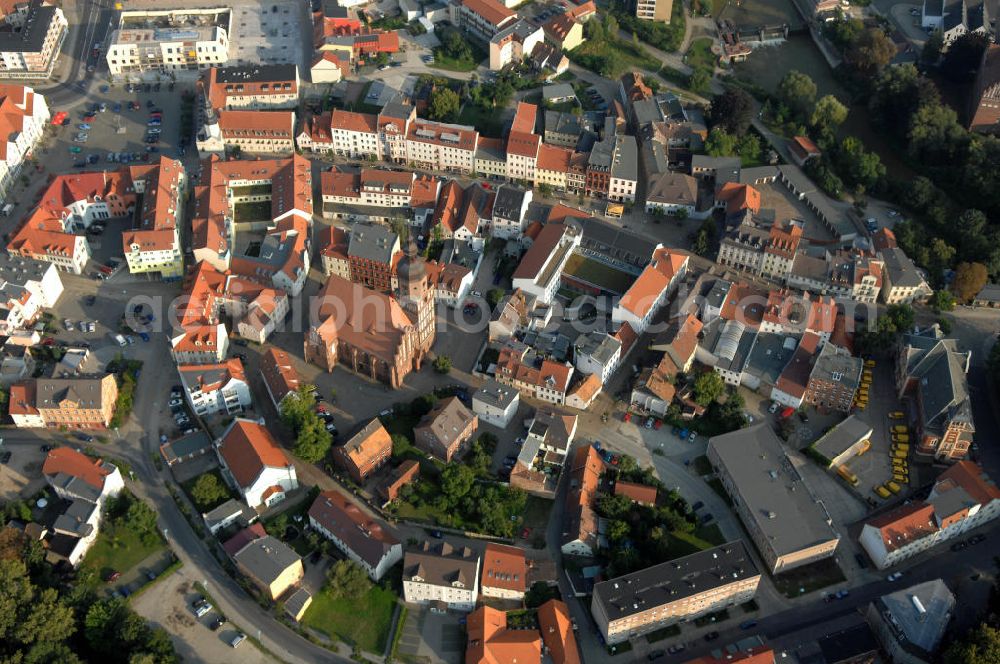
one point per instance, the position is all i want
(248, 448)
(556, 626)
(553, 158)
(490, 642)
(971, 477)
(235, 544)
(655, 278)
(638, 493)
(905, 524)
(491, 10)
(504, 567)
(351, 121)
(69, 461)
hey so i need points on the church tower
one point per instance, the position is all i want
(416, 294)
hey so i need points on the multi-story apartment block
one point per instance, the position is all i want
(676, 591)
(377, 188)
(373, 254)
(932, 370)
(598, 172)
(788, 524)
(443, 574)
(254, 464)
(29, 47)
(597, 353)
(153, 245)
(200, 38)
(523, 143)
(358, 536)
(986, 92)
(513, 43)
(624, 176)
(654, 10)
(964, 497)
(393, 120)
(365, 452)
(354, 134)
(216, 388)
(782, 245)
(446, 430)
(23, 115)
(258, 86)
(552, 166)
(441, 147)
(910, 624)
(76, 403)
(902, 283)
(482, 18)
(509, 209)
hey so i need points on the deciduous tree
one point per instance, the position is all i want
(969, 280)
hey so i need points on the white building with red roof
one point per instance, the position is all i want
(216, 388)
(650, 291)
(483, 18)
(441, 147)
(23, 116)
(354, 134)
(254, 464)
(964, 497)
(200, 344)
(281, 379)
(523, 144)
(73, 476)
(539, 272)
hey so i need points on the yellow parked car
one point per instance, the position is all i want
(901, 446)
(881, 492)
(900, 438)
(900, 477)
(866, 376)
(899, 454)
(870, 364)
(900, 428)
(896, 415)
(895, 488)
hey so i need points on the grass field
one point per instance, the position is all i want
(700, 56)
(364, 622)
(489, 123)
(117, 549)
(598, 274)
(613, 58)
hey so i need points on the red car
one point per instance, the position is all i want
(48, 341)
(657, 424)
(59, 117)
(526, 533)
(114, 576)
(627, 417)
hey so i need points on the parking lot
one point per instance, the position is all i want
(168, 604)
(431, 637)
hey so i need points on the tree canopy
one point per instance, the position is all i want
(732, 111)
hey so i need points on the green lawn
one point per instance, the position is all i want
(700, 56)
(489, 123)
(611, 59)
(260, 211)
(117, 549)
(711, 534)
(364, 622)
(599, 274)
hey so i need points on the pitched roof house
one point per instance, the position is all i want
(359, 536)
(254, 464)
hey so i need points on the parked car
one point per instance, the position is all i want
(976, 539)
(748, 624)
(87, 438)
(202, 610)
(711, 636)
(895, 576)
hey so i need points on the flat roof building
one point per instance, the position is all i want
(674, 591)
(788, 524)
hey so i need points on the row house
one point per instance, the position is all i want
(523, 144)
(509, 211)
(542, 379)
(281, 380)
(650, 291)
(441, 147)
(378, 188)
(216, 388)
(200, 344)
(23, 116)
(255, 132)
(358, 536)
(256, 86)
(770, 252)
(552, 166)
(82, 402)
(153, 245)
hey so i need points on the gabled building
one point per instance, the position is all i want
(254, 464)
(23, 116)
(84, 402)
(257, 86)
(271, 565)
(557, 628)
(200, 344)
(910, 624)
(216, 388)
(538, 273)
(446, 430)
(543, 379)
(365, 452)
(490, 641)
(281, 380)
(505, 572)
(441, 573)
(513, 43)
(657, 282)
(358, 536)
(579, 535)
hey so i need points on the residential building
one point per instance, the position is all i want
(271, 565)
(538, 273)
(29, 47)
(482, 18)
(152, 245)
(446, 430)
(553, 164)
(250, 131)
(365, 452)
(74, 402)
(27, 287)
(490, 641)
(676, 591)
(216, 388)
(523, 144)
(788, 524)
(437, 146)
(377, 188)
(504, 573)
(597, 353)
(509, 317)
(509, 209)
(230, 512)
(563, 31)
(495, 403)
(281, 380)
(23, 115)
(902, 283)
(441, 574)
(354, 135)
(624, 174)
(405, 473)
(579, 535)
(373, 254)
(254, 464)
(257, 86)
(647, 294)
(557, 628)
(932, 371)
(334, 243)
(200, 344)
(513, 43)
(654, 10)
(187, 447)
(86, 483)
(910, 623)
(543, 454)
(21, 405)
(986, 92)
(548, 380)
(964, 497)
(672, 193)
(834, 379)
(358, 536)
(196, 39)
